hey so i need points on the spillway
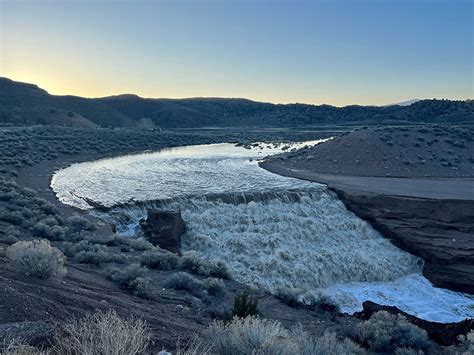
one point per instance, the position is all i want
(271, 231)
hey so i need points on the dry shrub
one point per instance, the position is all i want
(37, 258)
(253, 335)
(18, 347)
(385, 332)
(159, 260)
(194, 346)
(184, 281)
(132, 278)
(102, 333)
(195, 265)
(249, 335)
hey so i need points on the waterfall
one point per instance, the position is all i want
(271, 231)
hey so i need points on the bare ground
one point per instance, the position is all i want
(409, 152)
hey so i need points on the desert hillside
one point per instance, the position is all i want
(27, 104)
(424, 151)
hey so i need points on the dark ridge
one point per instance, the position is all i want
(27, 104)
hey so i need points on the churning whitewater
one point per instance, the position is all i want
(271, 231)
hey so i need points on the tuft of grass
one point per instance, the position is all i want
(140, 244)
(89, 253)
(214, 287)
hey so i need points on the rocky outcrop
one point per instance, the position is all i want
(442, 333)
(164, 229)
(441, 232)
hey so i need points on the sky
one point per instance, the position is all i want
(339, 52)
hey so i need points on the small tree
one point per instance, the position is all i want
(243, 307)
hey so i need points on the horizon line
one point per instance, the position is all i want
(231, 98)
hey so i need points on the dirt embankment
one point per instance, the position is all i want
(428, 209)
(409, 152)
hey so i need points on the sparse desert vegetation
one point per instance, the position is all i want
(416, 151)
(95, 333)
(253, 335)
(37, 258)
(196, 287)
(29, 104)
(186, 287)
(387, 333)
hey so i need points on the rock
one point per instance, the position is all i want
(444, 334)
(440, 231)
(164, 229)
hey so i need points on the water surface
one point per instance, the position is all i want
(273, 232)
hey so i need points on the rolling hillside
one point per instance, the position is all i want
(22, 103)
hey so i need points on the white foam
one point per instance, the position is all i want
(413, 294)
(312, 243)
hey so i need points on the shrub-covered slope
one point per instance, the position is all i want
(22, 103)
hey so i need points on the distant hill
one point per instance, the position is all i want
(22, 103)
(405, 103)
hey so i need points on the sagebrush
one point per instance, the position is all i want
(37, 258)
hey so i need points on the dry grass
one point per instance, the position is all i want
(102, 333)
(254, 335)
(18, 347)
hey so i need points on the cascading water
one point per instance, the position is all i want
(272, 232)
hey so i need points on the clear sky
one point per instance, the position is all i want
(338, 52)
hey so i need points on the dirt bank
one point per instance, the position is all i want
(430, 217)
(423, 151)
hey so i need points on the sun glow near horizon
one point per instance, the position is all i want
(315, 52)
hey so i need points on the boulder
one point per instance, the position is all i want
(444, 334)
(164, 229)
